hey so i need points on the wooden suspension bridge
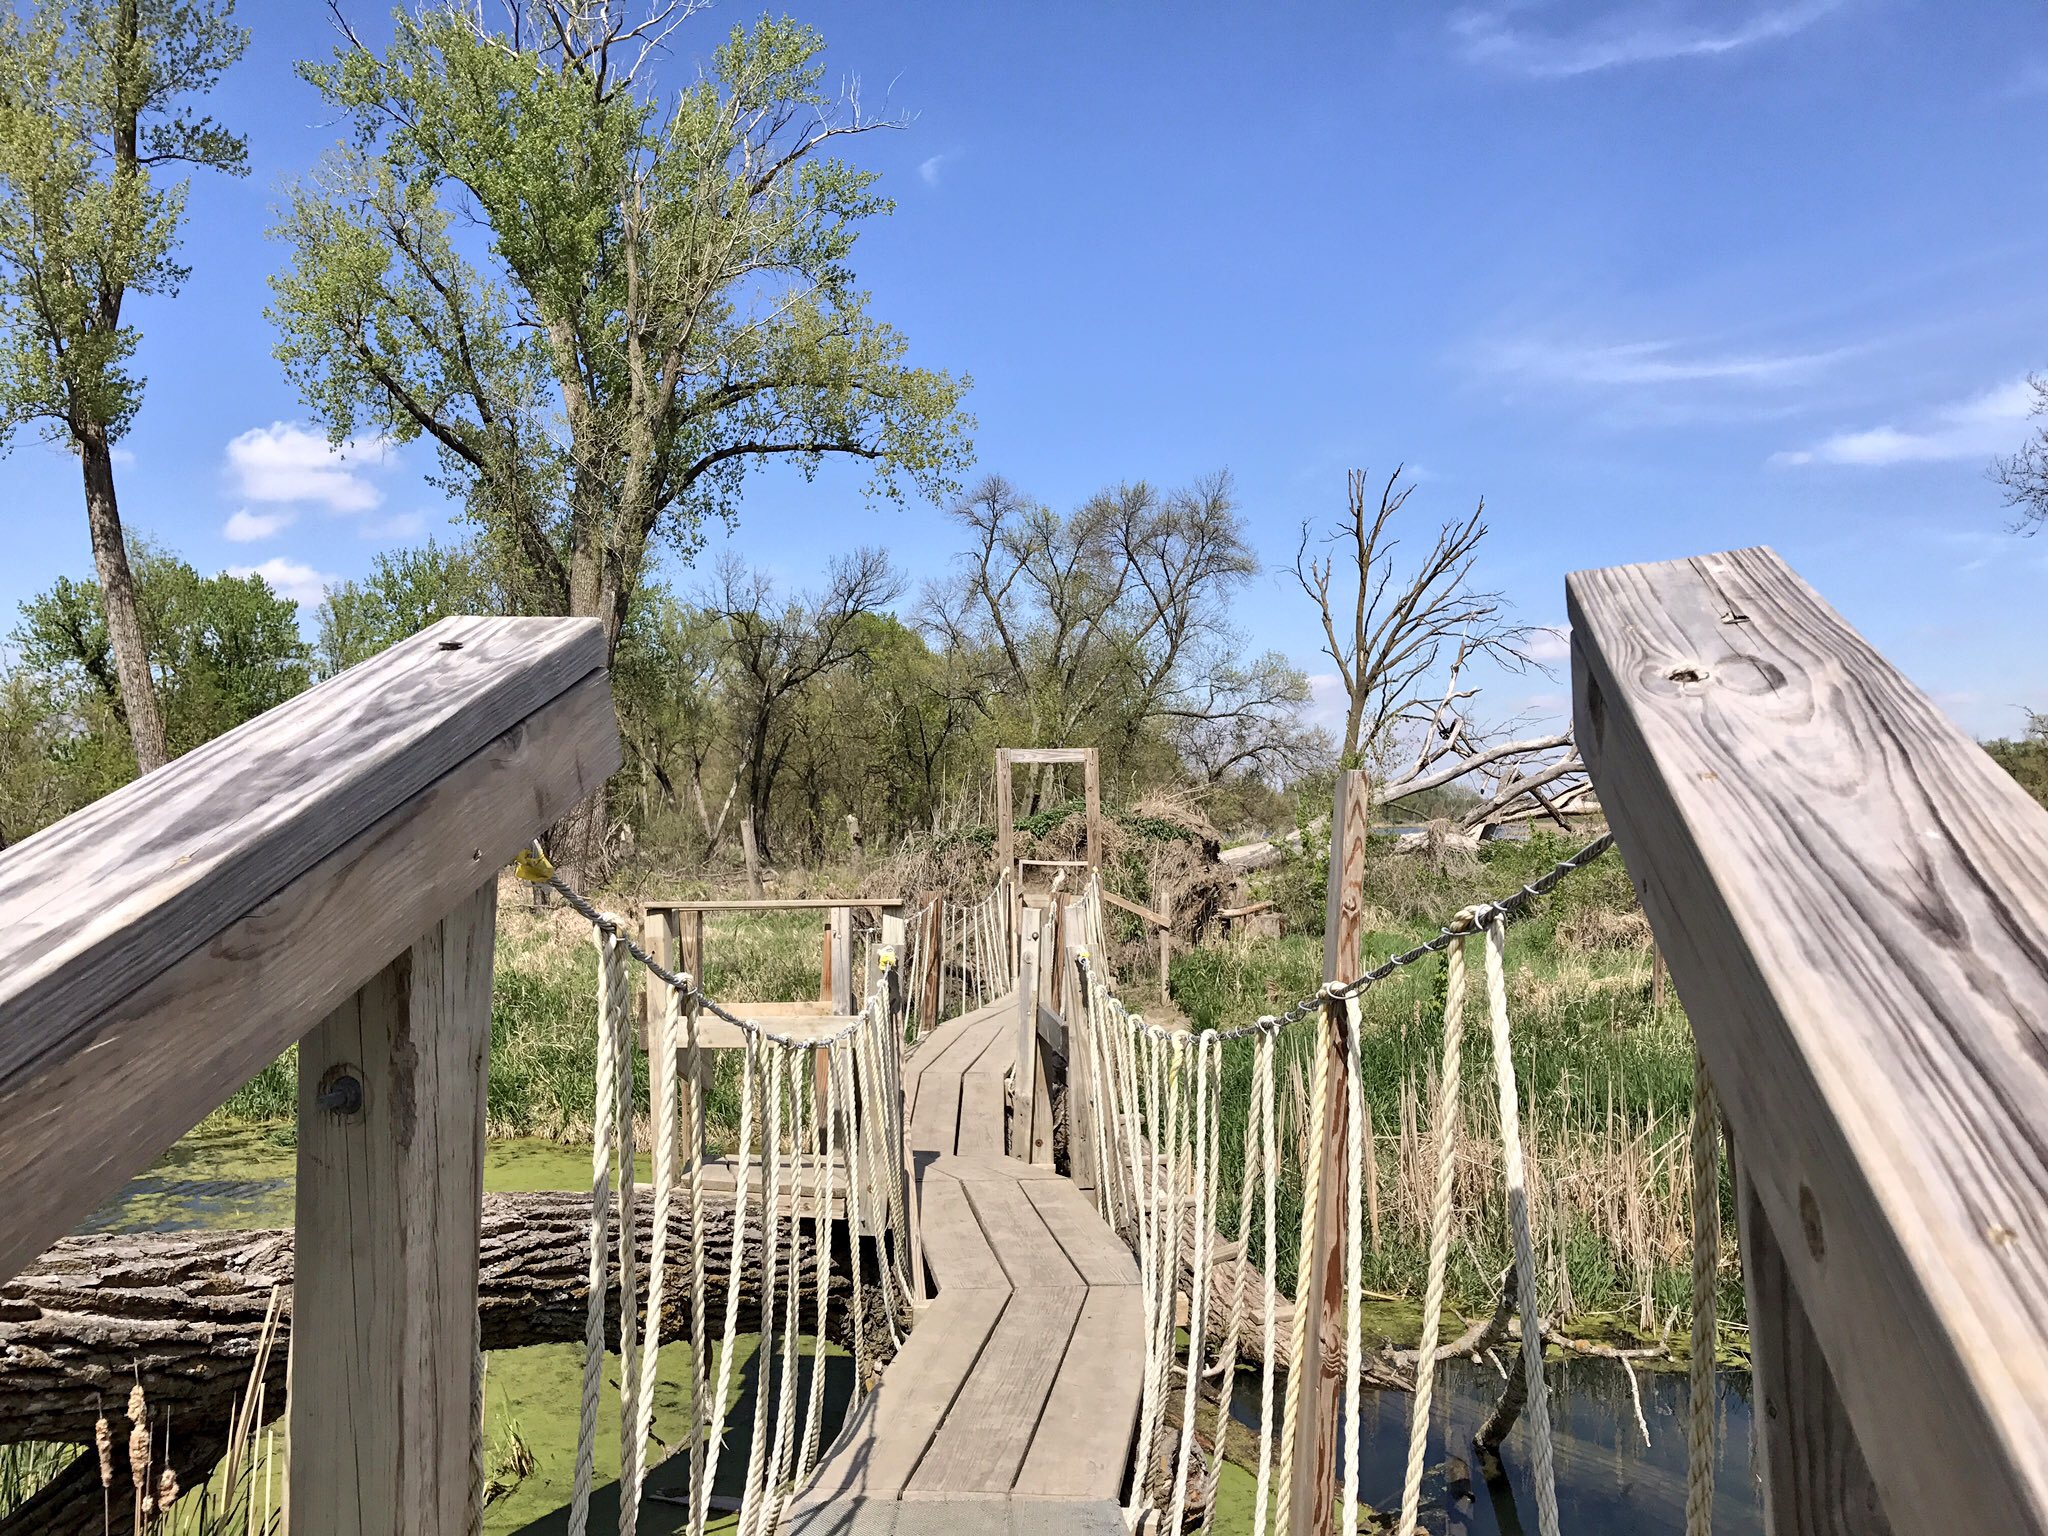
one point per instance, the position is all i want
(1852, 898)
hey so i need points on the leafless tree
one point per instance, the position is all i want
(1390, 625)
(2024, 476)
(773, 648)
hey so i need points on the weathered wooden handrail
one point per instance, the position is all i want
(1853, 899)
(326, 874)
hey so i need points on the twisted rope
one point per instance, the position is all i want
(1537, 1405)
(1311, 1200)
(611, 994)
(1269, 1213)
(1439, 1235)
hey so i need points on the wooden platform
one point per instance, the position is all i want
(1013, 1405)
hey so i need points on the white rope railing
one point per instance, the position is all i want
(820, 1119)
(1159, 1111)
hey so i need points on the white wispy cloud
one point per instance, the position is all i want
(1649, 363)
(1549, 645)
(1625, 34)
(928, 170)
(399, 525)
(292, 579)
(246, 527)
(1976, 428)
(284, 462)
(123, 458)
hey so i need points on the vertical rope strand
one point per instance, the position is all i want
(611, 989)
(1439, 1233)
(700, 1375)
(1537, 1404)
(1354, 1253)
(751, 1088)
(1311, 1196)
(1269, 1210)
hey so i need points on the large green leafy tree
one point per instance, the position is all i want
(223, 649)
(93, 110)
(603, 304)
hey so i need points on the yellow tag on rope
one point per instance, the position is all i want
(533, 865)
(885, 959)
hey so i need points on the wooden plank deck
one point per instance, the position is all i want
(1012, 1407)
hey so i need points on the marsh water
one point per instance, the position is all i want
(1610, 1483)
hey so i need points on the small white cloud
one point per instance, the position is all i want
(1549, 645)
(928, 170)
(292, 579)
(284, 462)
(1625, 35)
(400, 525)
(1976, 428)
(124, 458)
(1327, 701)
(246, 527)
(1649, 363)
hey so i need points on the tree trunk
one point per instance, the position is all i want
(117, 592)
(182, 1311)
(752, 847)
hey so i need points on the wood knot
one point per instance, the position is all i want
(1809, 1224)
(1689, 674)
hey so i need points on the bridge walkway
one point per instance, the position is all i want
(1012, 1407)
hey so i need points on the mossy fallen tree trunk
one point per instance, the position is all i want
(182, 1312)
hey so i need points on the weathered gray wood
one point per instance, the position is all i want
(955, 1247)
(1083, 1442)
(1321, 1290)
(1852, 899)
(96, 905)
(1030, 1255)
(1066, 1517)
(1815, 1480)
(1024, 1085)
(1096, 1253)
(881, 1448)
(390, 1200)
(149, 1065)
(988, 1430)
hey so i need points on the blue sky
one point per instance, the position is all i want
(1653, 278)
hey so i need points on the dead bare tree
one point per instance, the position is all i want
(1388, 625)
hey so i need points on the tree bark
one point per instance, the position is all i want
(117, 592)
(182, 1311)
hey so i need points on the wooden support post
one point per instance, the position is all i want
(1024, 1084)
(1082, 1109)
(934, 953)
(1815, 1480)
(385, 1388)
(1851, 896)
(1312, 1499)
(1657, 975)
(895, 934)
(1165, 942)
(1091, 789)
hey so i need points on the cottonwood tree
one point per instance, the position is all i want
(658, 294)
(95, 113)
(775, 647)
(1389, 625)
(1110, 622)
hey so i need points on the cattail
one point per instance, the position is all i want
(103, 1437)
(167, 1489)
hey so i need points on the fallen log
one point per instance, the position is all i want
(182, 1312)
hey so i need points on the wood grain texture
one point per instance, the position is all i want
(956, 1248)
(989, 1428)
(1853, 901)
(1030, 1255)
(96, 905)
(1312, 1498)
(1081, 1445)
(150, 1065)
(1024, 1085)
(1816, 1482)
(390, 1202)
(1097, 1254)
